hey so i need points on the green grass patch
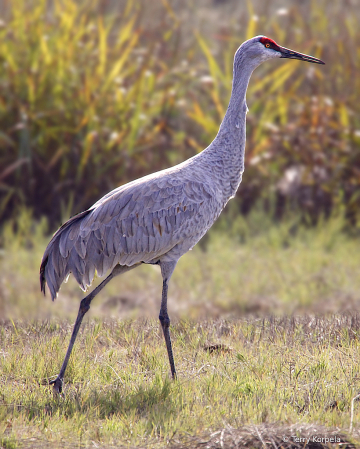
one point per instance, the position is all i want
(118, 392)
(250, 265)
(263, 337)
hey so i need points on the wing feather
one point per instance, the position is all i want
(134, 223)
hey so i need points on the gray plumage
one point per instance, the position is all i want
(158, 218)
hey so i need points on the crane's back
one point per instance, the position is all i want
(155, 218)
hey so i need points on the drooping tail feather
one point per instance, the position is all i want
(42, 275)
(55, 264)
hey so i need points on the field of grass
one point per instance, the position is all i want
(264, 333)
(244, 265)
(288, 375)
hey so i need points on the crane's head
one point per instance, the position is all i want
(261, 48)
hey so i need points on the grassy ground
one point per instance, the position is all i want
(244, 266)
(245, 376)
(231, 373)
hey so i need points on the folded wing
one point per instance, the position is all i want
(135, 223)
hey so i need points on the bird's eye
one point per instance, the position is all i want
(267, 45)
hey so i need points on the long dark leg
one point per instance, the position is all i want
(84, 307)
(166, 270)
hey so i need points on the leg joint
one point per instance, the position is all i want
(84, 305)
(164, 320)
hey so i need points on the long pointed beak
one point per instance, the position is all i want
(290, 54)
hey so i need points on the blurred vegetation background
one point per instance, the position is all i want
(96, 93)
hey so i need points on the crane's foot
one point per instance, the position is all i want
(57, 385)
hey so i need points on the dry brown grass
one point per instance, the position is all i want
(275, 436)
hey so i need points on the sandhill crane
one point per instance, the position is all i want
(158, 218)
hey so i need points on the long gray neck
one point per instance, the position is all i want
(237, 106)
(229, 144)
